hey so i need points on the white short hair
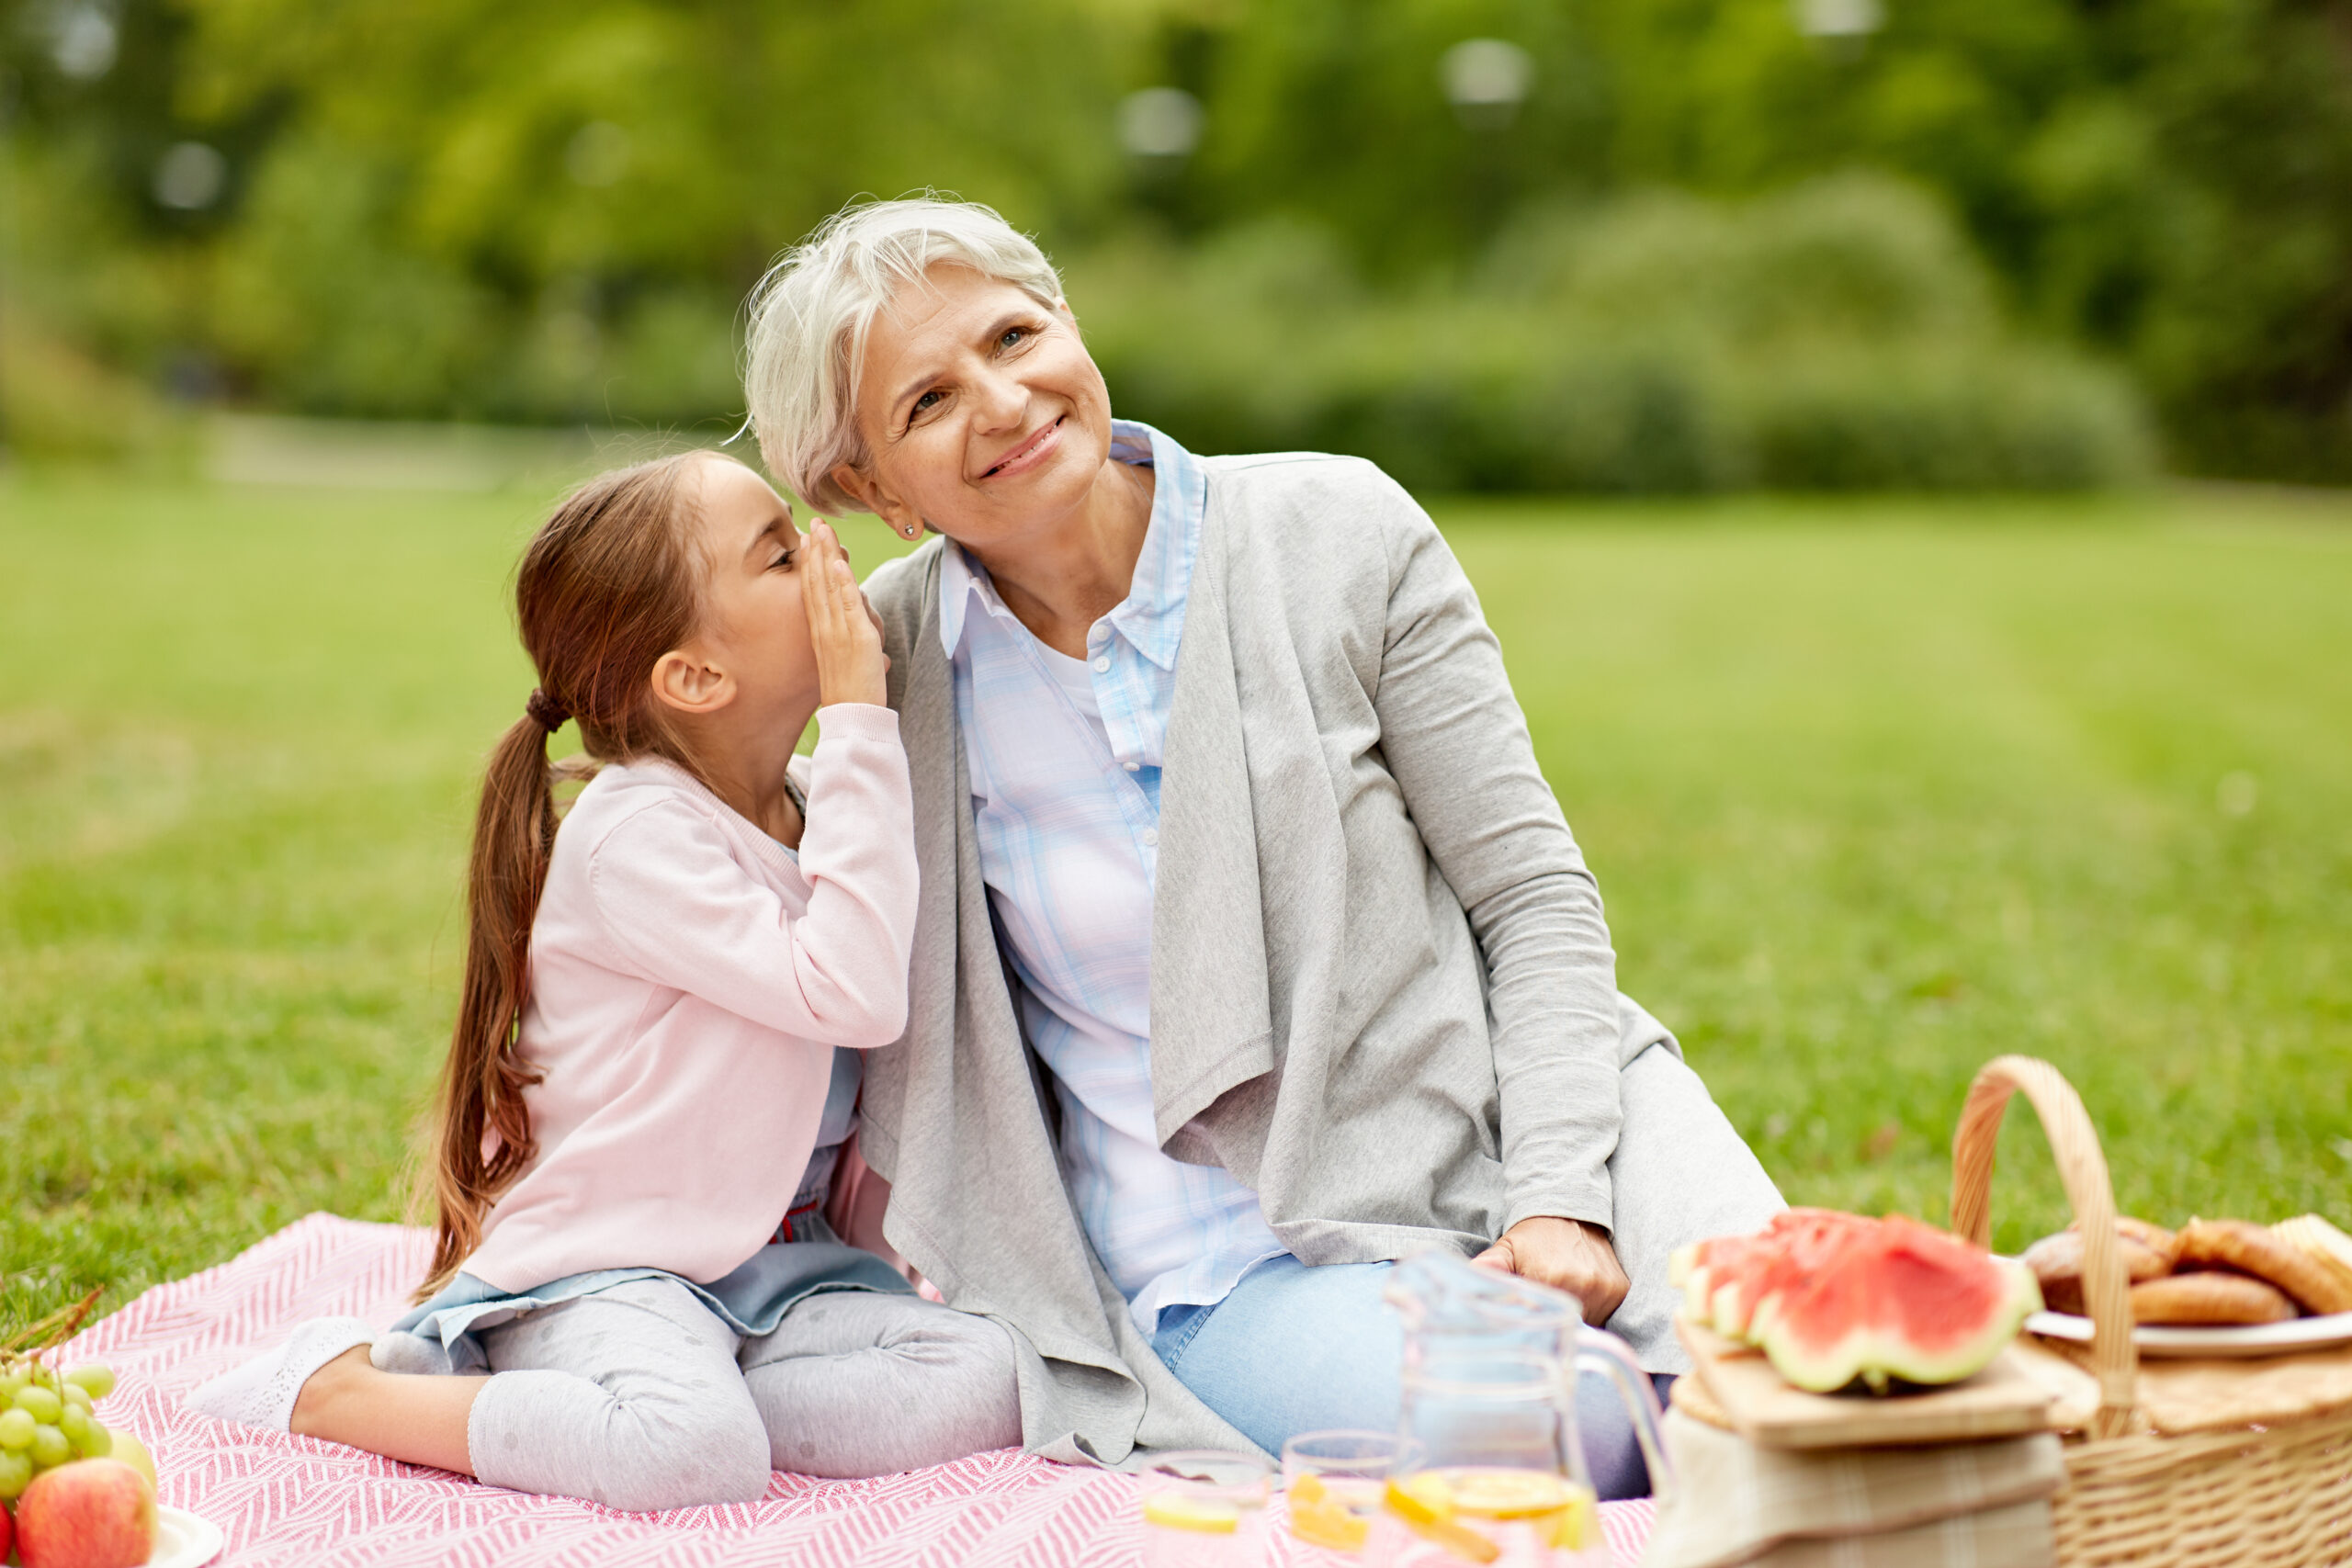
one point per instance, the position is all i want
(810, 315)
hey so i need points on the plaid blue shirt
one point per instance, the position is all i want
(1064, 756)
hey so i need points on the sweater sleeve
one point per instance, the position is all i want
(683, 913)
(1457, 745)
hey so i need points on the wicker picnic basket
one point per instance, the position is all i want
(2274, 1494)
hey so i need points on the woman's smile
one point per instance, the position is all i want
(989, 421)
(1031, 451)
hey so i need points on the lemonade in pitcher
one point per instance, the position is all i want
(1488, 1514)
(1490, 1407)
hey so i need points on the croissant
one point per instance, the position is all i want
(2209, 1298)
(2257, 1250)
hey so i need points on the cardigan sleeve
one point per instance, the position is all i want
(684, 914)
(1457, 742)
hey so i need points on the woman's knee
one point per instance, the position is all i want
(1295, 1348)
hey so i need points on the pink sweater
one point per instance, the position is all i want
(688, 985)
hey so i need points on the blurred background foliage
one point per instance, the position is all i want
(1624, 245)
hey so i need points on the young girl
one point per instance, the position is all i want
(655, 1065)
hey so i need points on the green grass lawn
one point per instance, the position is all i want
(1876, 791)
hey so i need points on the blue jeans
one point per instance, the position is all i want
(1298, 1350)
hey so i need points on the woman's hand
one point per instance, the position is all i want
(843, 632)
(1567, 1254)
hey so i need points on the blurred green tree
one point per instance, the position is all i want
(548, 208)
(542, 210)
(1838, 334)
(2168, 181)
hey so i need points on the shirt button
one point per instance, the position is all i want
(1151, 838)
(1101, 665)
(1133, 766)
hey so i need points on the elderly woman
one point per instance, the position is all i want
(1254, 952)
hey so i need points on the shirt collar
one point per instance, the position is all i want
(1153, 615)
(960, 578)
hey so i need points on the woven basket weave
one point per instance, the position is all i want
(2276, 1496)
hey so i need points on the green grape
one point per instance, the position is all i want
(11, 1381)
(16, 1427)
(74, 1422)
(49, 1447)
(46, 1406)
(16, 1474)
(95, 1443)
(99, 1380)
(76, 1394)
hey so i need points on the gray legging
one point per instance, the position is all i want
(639, 1398)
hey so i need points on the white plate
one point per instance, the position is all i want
(2254, 1339)
(184, 1539)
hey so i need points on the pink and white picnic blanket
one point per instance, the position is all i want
(295, 1501)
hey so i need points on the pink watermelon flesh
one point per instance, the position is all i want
(1708, 1267)
(1798, 1244)
(1899, 1300)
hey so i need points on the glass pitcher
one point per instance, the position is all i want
(1489, 1401)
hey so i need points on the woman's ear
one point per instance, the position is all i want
(689, 682)
(903, 518)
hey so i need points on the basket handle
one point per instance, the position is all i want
(2083, 1168)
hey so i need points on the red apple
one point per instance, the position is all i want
(93, 1513)
(7, 1534)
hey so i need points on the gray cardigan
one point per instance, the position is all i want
(1382, 989)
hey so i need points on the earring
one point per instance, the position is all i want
(910, 530)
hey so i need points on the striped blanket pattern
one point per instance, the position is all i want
(285, 1501)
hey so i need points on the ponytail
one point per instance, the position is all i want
(485, 1132)
(605, 588)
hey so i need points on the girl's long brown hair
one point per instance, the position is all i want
(606, 588)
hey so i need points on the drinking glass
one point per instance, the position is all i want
(1204, 1508)
(1336, 1481)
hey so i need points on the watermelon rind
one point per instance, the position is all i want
(1679, 1262)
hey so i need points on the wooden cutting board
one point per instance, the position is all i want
(1999, 1402)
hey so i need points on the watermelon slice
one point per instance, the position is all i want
(1797, 1244)
(1697, 1268)
(1832, 1298)
(1908, 1301)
